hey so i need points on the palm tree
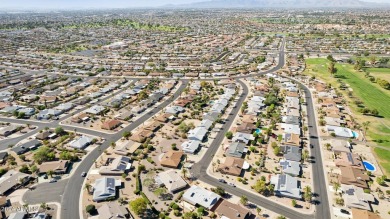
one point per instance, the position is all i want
(88, 187)
(43, 205)
(258, 210)
(244, 200)
(336, 186)
(50, 173)
(365, 127)
(307, 193)
(184, 172)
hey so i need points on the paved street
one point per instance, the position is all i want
(72, 187)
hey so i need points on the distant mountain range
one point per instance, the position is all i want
(284, 4)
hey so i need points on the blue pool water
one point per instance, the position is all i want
(355, 134)
(258, 131)
(369, 166)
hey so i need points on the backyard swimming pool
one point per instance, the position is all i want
(355, 134)
(258, 131)
(369, 166)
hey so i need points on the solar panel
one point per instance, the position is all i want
(282, 179)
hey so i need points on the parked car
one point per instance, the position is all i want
(344, 211)
(222, 180)
(53, 180)
(231, 184)
(83, 174)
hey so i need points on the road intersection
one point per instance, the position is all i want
(67, 191)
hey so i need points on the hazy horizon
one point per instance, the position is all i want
(84, 4)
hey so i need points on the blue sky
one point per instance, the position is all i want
(74, 4)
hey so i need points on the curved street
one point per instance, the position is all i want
(70, 188)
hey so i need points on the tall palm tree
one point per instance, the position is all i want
(307, 193)
(365, 127)
(184, 172)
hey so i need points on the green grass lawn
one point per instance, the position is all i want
(384, 158)
(383, 73)
(372, 95)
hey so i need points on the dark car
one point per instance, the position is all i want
(344, 211)
(83, 174)
(221, 180)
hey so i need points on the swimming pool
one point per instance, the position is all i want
(258, 131)
(355, 134)
(369, 166)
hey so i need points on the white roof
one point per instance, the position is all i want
(290, 128)
(81, 142)
(96, 109)
(172, 180)
(190, 146)
(197, 133)
(243, 137)
(197, 195)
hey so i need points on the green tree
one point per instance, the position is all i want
(220, 191)
(307, 194)
(260, 186)
(90, 209)
(244, 200)
(277, 150)
(294, 203)
(138, 206)
(229, 135)
(43, 154)
(59, 130)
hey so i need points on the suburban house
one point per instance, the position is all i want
(190, 146)
(246, 128)
(198, 196)
(95, 110)
(171, 159)
(197, 134)
(292, 168)
(116, 166)
(111, 210)
(58, 167)
(355, 197)
(226, 209)
(80, 118)
(43, 135)
(345, 159)
(81, 142)
(243, 137)
(291, 139)
(111, 124)
(141, 135)
(286, 185)
(292, 153)
(353, 176)
(363, 214)
(233, 166)
(236, 149)
(11, 180)
(105, 188)
(23, 148)
(172, 180)
(340, 146)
